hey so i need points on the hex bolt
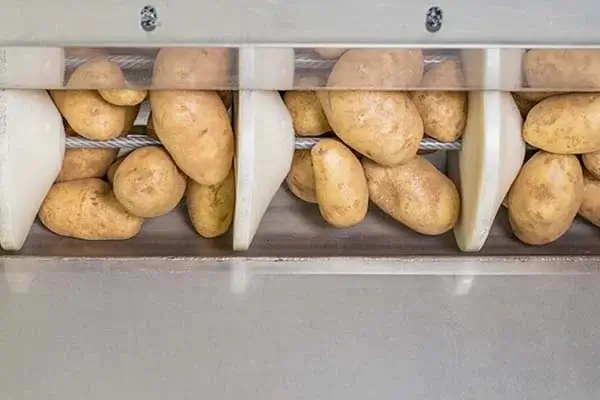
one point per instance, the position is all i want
(148, 18)
(433, 19)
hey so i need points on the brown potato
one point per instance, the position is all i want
(566, 124)
(301, 178)
(86, 163)
(415, 194)
(211, 207)
(110, 174)
(97, 73)
(87, 209)
(444, 113)
(384, 126)
(545, 197)
(590, 205)
(148, 183)
(89, 115)
(567, 68)
(123, 97)
(340, 184)
(191, 68)
(195, 129)
(591, 161)
(329, 52)
(307, 113)
(378, 69)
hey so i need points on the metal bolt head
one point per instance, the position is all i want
(433, 19)
(148, 18)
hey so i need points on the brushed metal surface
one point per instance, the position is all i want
(301, 22)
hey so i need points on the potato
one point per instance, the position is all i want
(569, 69)
(123, 97)
(340, 184)
(566, 124)
(86, 163)
(384, 126)
(444, 113)
(378, 69)
(87, 209)
(211, 207)
(329, 52)
(191, 68)
(307, 113)
(590, 205)
(415, 194)
(110, 174)
(148, 183)
(97, 73)
(195, 129)
(89, 115)
(301, 178)
(545, 197)
(591, 161)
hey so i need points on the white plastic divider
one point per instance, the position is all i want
(32, 145)
(493, 149)
(266, 68)
(38, 67)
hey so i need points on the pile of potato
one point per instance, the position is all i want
(195, 162)
(374, 154)
(562, 179)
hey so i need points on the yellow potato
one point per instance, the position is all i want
(87, 209)
(444, 112)
(123, 97)
(415, 194)
(545, 197)
(591, 161)
(340, 184)
(307, 113)
(211, 207)
(557, 69)
(590, 206)
(191, 68)
(301, 178)
(147, 182)
(97, 73)
(195, 129)
(565, 124)
(86, 163)
(384, 126)
(378, 69)
(329, 52)
(89, 115)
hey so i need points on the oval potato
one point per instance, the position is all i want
(301, 178)
(340, 184)
(415, 194)
(590, 205)
(123, 97)
(545, 197)
(86, 163)
(591, 162)
(195, 129)
(384, 126)
(378, 69)
(565, 124)
(191, 68)
(97, 73)
(147, 182)
(211, 207)
(567, 68)
(444, 112)
(307, 113)
(87, 209)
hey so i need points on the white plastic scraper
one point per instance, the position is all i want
(492, 154)
(265, 147)
(32, 145)
(32, 67)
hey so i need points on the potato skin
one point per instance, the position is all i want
(590, 205)
(384, 126)
(86, 163)
(301, 178)
(444, 113)
(307, 113)
(191, 68)
(195, 129)
(147, 182)
(97, 73)
(545, 197)
(591, 162)
(378, 69)
(340, 184)
(211, 207)
(557, 69)
(566, 124)
(415, 194)
(123, 97)
(87, 209)
(89, 115)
